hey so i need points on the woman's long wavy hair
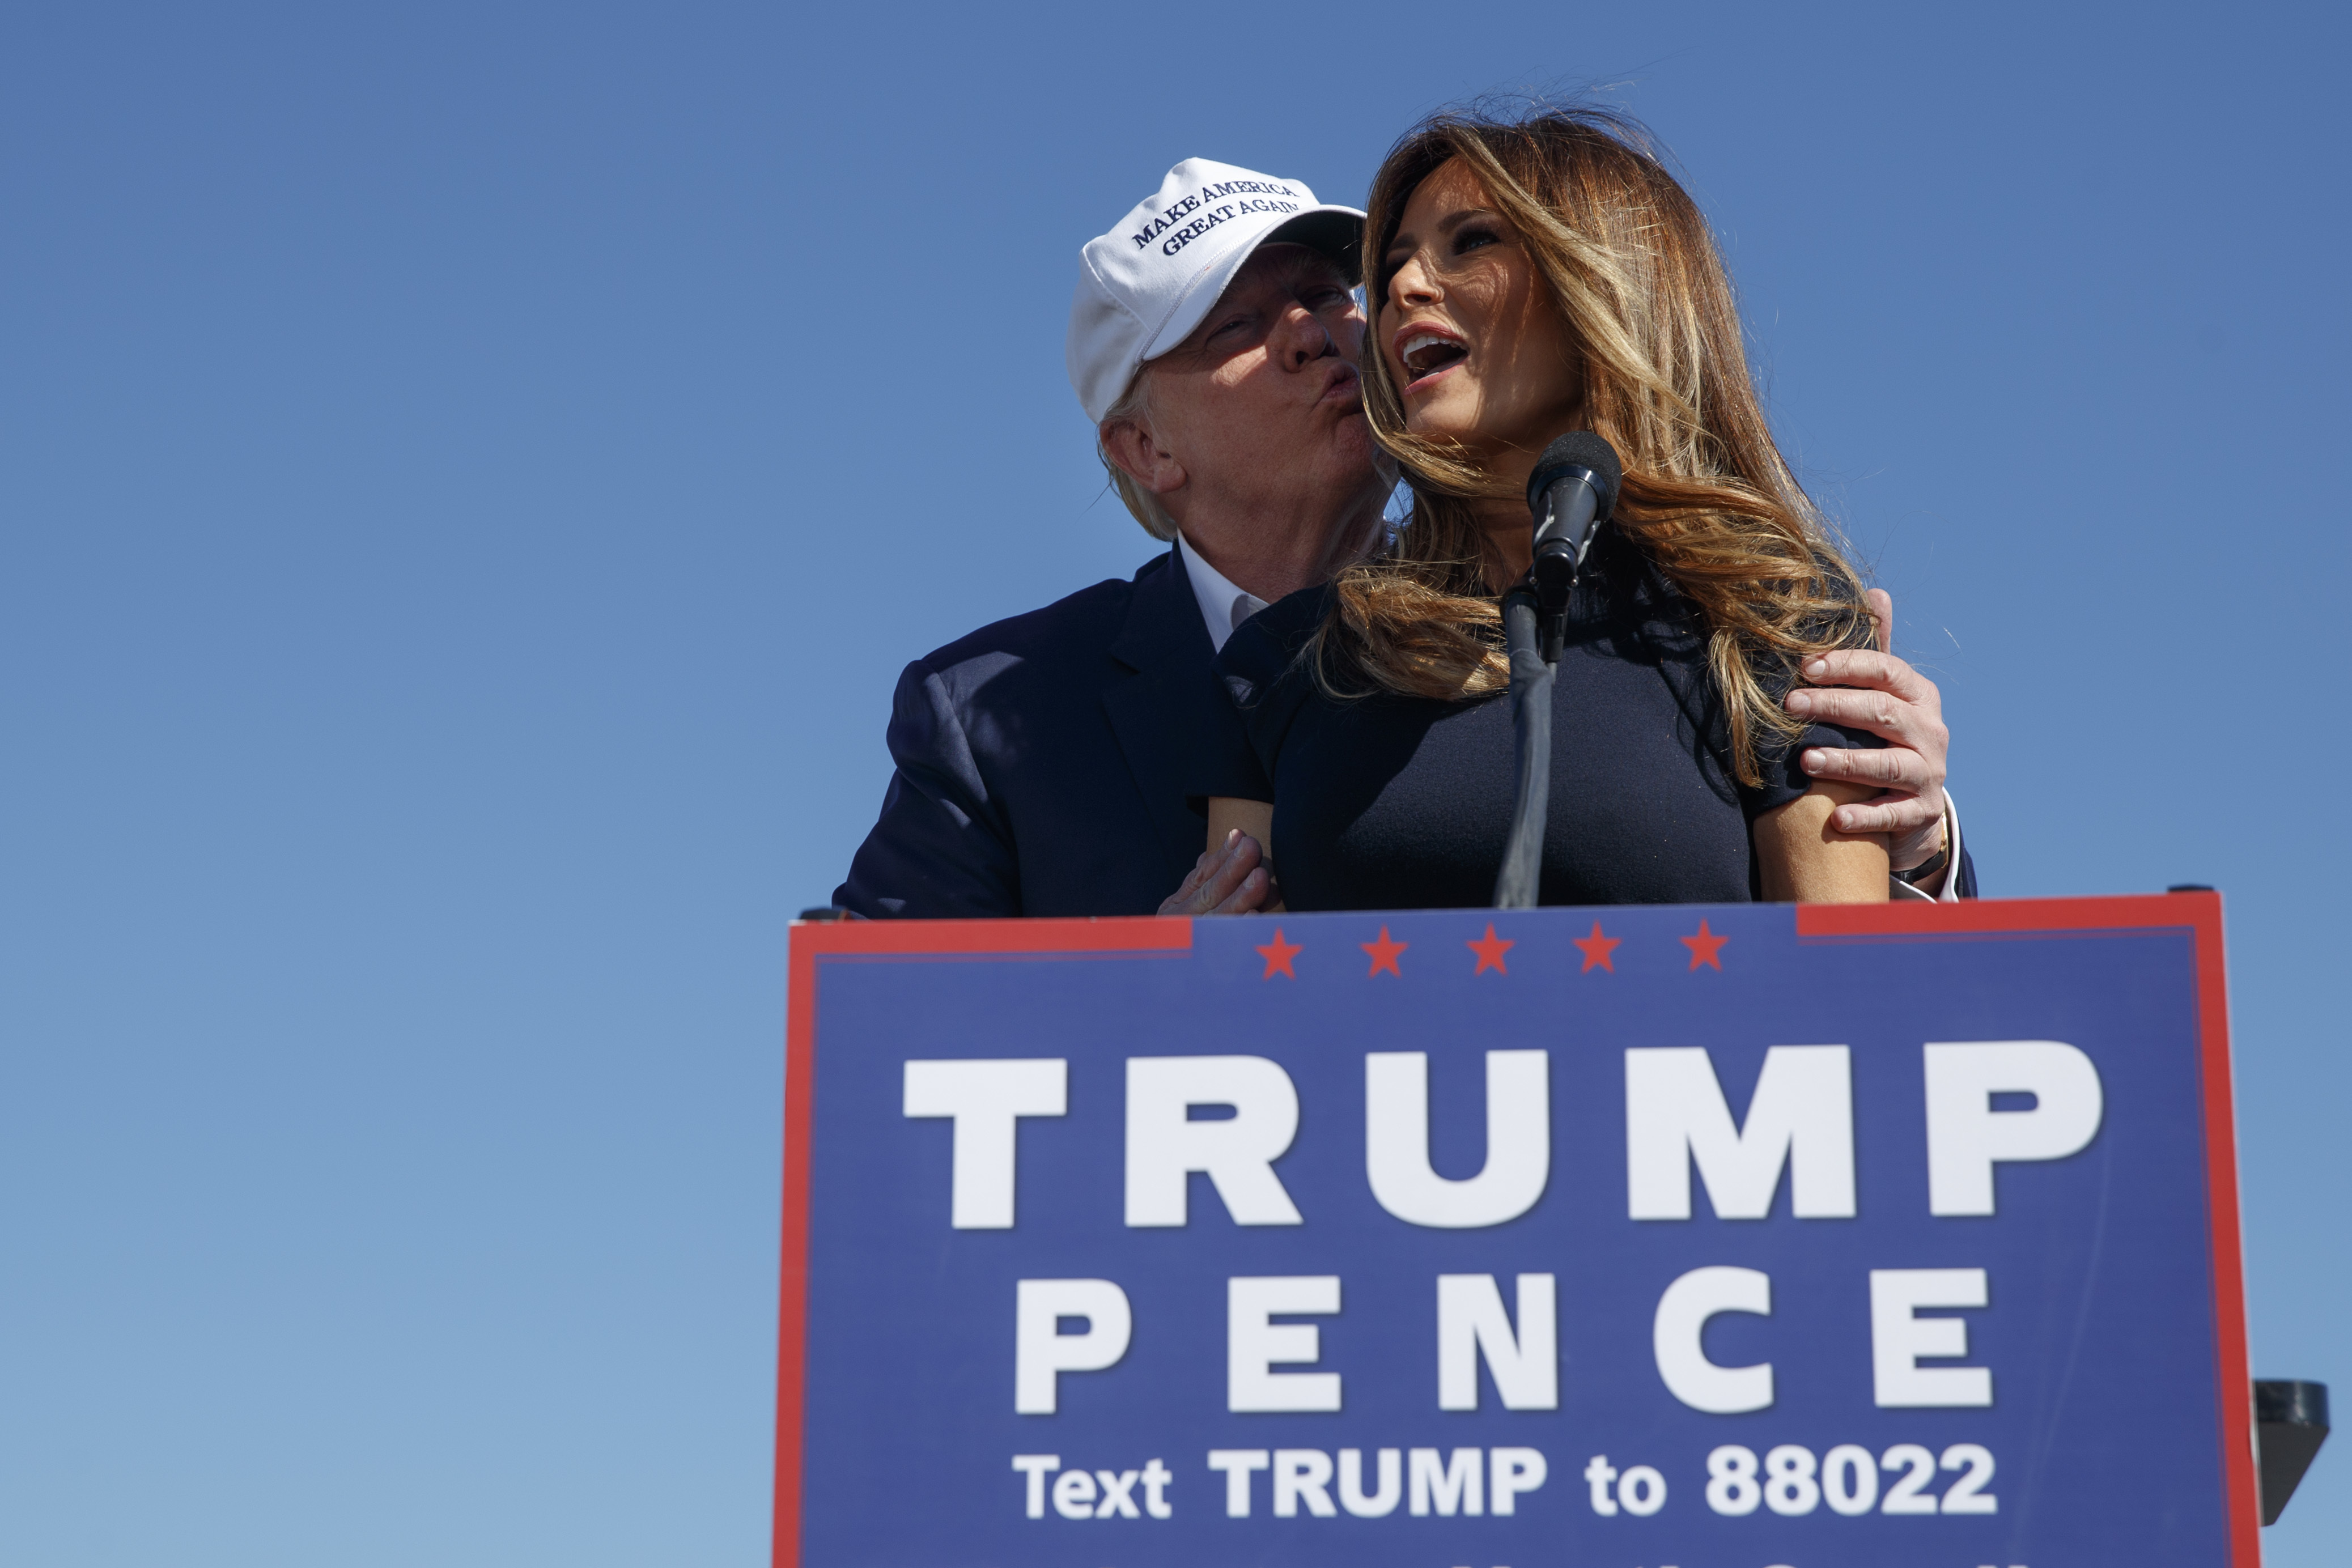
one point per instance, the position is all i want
(1635, 275)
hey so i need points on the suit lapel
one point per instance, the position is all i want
(1156, 706)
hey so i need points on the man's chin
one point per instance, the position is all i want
(1354, 434)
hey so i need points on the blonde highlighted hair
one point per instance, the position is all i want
(1634, 272)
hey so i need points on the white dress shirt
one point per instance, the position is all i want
(1224, 606)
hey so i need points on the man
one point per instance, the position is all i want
(1213, 342)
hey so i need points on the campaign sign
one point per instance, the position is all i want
(1664, 1237)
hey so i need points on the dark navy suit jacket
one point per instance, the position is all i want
(1041, 761)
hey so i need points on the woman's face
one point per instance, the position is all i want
(1469, 330)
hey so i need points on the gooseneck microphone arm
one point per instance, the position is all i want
(1572, 492)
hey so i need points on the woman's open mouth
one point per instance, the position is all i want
(1427, 354)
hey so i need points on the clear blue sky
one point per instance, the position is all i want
(469, 476)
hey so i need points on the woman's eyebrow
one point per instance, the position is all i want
(1451, 221)
(1405, 244)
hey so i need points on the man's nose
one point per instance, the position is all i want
(1303, 338)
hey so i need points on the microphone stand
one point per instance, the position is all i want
(1575, 495)
(1531, 678)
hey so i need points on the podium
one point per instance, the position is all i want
(1814, 1235)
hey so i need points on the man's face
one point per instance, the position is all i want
(1261, 405)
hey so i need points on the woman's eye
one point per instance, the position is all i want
(1471, 240)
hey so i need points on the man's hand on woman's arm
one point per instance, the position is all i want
(1231, 876)
(1881, 694)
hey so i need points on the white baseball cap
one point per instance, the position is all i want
(1143, 286)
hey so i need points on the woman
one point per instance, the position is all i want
(1528, 279)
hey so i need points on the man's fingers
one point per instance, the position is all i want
(1214, 877)
(1245, 884)
(1180, 902)
(1225, 872)
(1235, 864)
(1890, 814)
(1879, 693)
(1248, 895)
(1895, 768)
(1880, 713)
(1880, 672)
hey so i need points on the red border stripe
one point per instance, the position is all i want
(1138, 934)
(1913, 918)
(792, 1290)
(2236, 1394)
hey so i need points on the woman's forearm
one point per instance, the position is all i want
(1255, 817)
(1800, 859)
(1252, 820)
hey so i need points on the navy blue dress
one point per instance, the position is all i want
(1395, 802)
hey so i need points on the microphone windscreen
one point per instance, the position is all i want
(1579, 449)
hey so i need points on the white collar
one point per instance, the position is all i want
(1223, 605)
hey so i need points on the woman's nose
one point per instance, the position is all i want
(1413, 284)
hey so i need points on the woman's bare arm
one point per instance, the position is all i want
(1802, 860)
(1241, 857)
(1255, 817)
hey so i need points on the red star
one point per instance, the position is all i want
(1279, 954)
(1705, 947)
(1490, 952)
(1597, 948)
(1384, 954)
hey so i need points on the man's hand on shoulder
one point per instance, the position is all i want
(1879, 693)
(1229, 880)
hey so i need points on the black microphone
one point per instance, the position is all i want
(1572, 490)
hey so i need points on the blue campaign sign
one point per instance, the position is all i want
(1685, 1237)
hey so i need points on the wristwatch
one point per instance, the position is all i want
(1927, 869)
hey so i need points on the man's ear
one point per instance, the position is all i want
(1141, 457)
